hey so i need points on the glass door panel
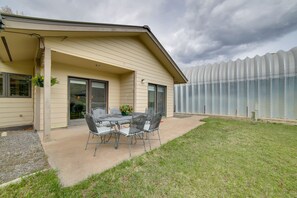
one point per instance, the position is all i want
(98, 95)
(152, 98)
(77, 98)
(157, 99)
(1, 85)
(161, 98)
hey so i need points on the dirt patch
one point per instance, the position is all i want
(21, 153)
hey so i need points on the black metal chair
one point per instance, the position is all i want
(153, 125)
(150, 113)
(116, 112)
(97, 114)
(100, 131)
(135, 129)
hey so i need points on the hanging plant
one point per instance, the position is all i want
(38, 80)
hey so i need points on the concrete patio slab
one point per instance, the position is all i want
(66, 150)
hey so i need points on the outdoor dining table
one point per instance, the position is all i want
(116, 120)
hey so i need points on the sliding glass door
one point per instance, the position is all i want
(161, 98)
(152, 98)
(78, 98)
(157, 99)
(84, 95)
(98, 95)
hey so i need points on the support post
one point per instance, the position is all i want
(135, 91)
(37, 102)
(47, 95)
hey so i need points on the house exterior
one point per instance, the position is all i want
(97, 66)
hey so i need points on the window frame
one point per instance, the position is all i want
(6, 85)
(3, 85)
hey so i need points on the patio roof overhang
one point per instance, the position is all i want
(21, 32)
(67, 59)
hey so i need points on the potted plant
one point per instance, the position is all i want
(126, 109)
(38, 80)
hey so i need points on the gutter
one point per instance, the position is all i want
(1, 22)
(67, 23)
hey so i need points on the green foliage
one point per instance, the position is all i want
(222, 158)
(126, 109)
(38, 80)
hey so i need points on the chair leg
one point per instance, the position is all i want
(135, 138)
(159, 136)
(88, 141)
(117, 140)
(143, 142)
(148, 137)
(108, 138)
(97, 145)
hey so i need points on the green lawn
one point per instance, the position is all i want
(222, 158)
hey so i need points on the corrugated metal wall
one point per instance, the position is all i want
(267, 84)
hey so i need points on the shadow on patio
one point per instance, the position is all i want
(66, 152)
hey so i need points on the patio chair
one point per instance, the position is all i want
(153, 125)
(97, 114)
(135, 129)
(149, 112)
(116, 112)
(100, 131)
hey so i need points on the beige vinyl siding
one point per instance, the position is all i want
(59, 92)
(125, 52)
(127, 88)
(16, 111)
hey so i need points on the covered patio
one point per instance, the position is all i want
(66, 152)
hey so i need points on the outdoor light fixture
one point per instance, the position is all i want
(143, 81)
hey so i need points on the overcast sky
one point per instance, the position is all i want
(194, 32)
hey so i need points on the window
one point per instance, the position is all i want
(15, 85)
(19, 85)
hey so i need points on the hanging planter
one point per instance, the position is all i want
(38, 81)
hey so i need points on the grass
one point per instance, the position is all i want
(223, 158)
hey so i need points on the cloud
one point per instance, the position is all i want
(194, 32)
(216, 29)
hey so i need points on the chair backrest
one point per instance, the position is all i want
(97, 113)
(115, 111)
(155, 121)
(137, 123)
(150, 113)
(135, 114)
(149, 110)
(91, 123)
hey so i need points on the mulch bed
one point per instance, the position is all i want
(21, 153)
